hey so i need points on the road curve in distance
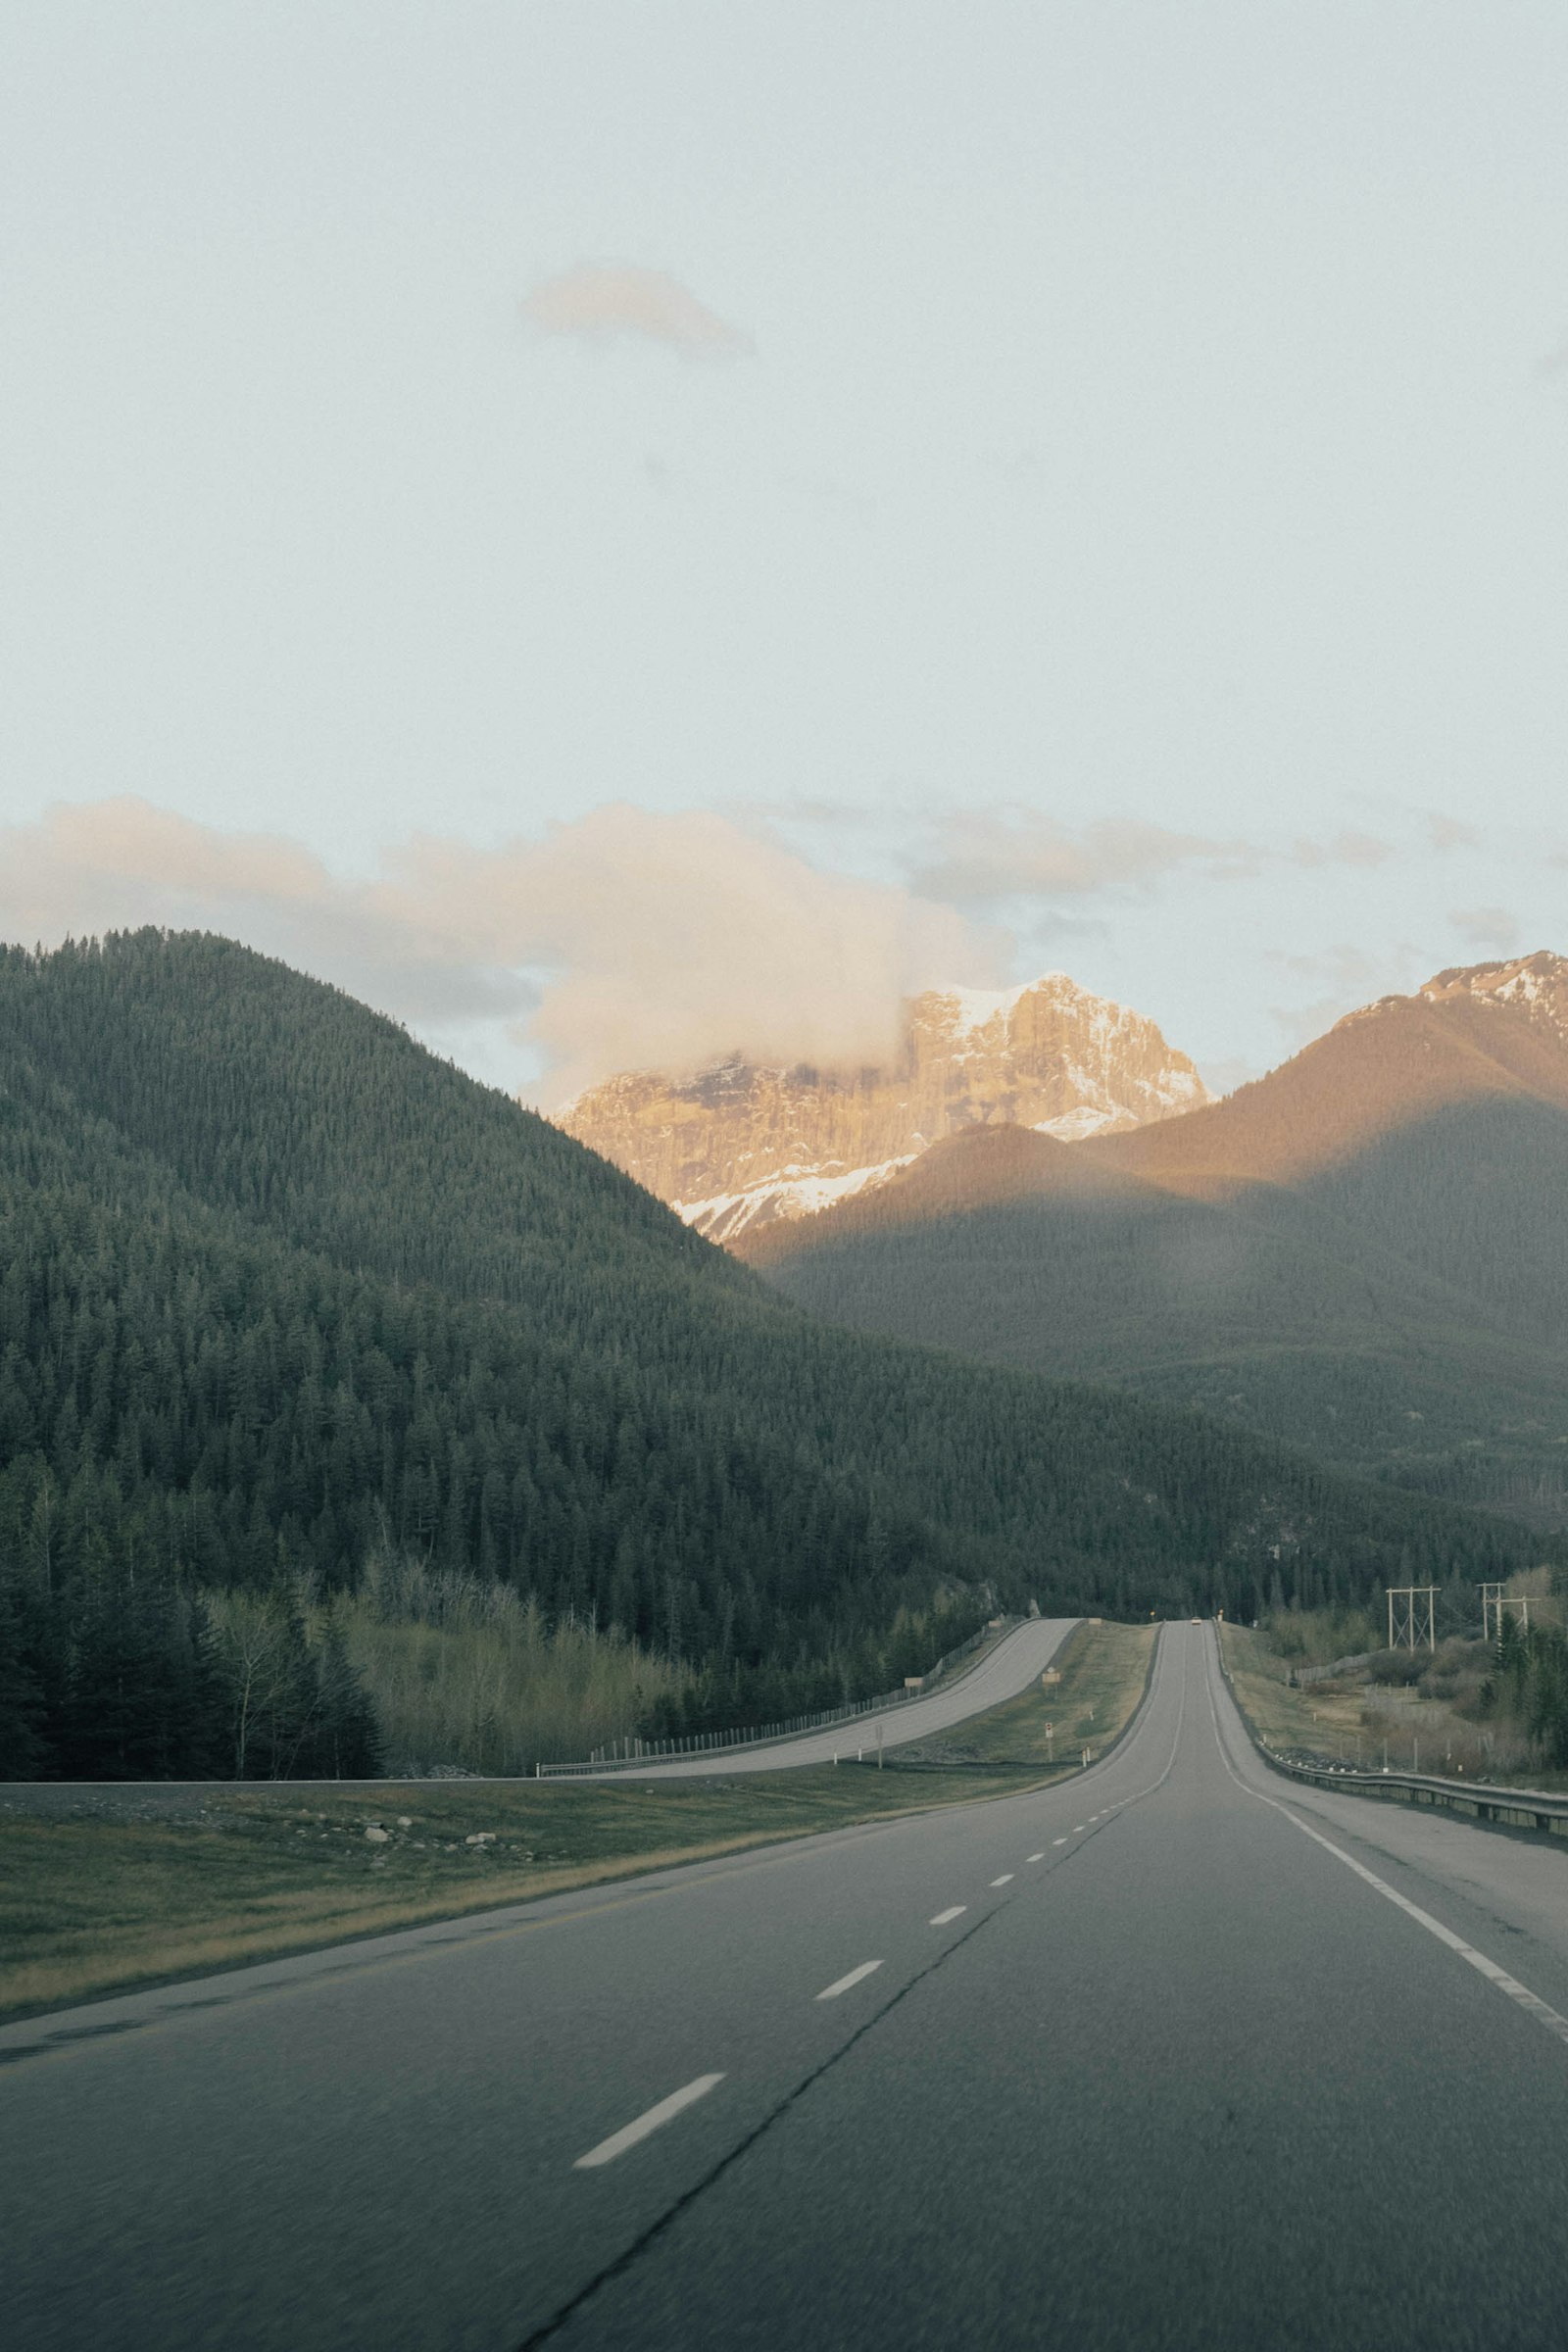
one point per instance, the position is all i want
(1018, 1659)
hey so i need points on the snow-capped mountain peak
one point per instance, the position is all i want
(738, 1145)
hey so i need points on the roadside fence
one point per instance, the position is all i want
(1302, 1677)
(626, 1756)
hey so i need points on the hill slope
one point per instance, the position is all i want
(1364, 1250)
(282, 1290)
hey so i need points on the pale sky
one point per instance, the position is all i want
(629, 531)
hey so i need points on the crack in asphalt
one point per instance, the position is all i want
(657, 2229)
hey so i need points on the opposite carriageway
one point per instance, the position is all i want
(1017, 1661)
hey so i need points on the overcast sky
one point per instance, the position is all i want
(620, 531)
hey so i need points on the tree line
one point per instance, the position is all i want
(279, 1289)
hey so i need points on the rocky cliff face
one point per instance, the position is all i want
(737, 1146)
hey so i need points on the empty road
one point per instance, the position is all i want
(1018, 1659)
(1174, 2054)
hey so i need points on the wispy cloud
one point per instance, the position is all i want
(599, 301)
(1486, 927)
(1450, 833)
(1342, 979)
(997, 856)
(625, 939)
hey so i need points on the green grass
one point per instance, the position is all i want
(1412, 1730)
(92, 1906)
(1326, 1716)
(1103, 1670)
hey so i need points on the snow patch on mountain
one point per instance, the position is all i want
(796, 1193)
(1538, 982)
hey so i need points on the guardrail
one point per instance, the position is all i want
(1302, 1677)
(631, 1753)
(1480, 1800)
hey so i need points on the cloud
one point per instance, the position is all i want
(597, 301)
(114, 865)
(673, 939)
(997, 857)
(987, 855)
(1343, 978)
(625, 939)
(1450, 833)
(1343, 849)
(1486, 927)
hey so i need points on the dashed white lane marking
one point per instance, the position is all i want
(1006, 1878)
(630, 2134)
(866, 1968)
(1037, 1857)
(942, 1917)
(1059, 1841)
(1077, 1829)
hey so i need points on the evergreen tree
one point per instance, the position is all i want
(279, 1288)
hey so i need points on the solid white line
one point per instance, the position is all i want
(942, 1917)
(866, 1968)
(1006, 1878)
(1541, 2011)
(1037, 1857)
(619, 2142)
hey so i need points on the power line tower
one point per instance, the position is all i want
(1494, 1602)
(1413, 1616)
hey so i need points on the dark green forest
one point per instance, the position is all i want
(279, 1289)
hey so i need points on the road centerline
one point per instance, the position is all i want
(856, 1976)
(652, 2120)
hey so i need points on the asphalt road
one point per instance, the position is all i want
(1017, 1659)
(1175, 2054)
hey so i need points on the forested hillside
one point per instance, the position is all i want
(281, 1292)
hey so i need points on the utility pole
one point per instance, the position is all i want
(1413, 1616)
(1494, 1601)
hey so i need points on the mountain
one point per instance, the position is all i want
(282, 1295)
(738, 1147)
(1363, 1252)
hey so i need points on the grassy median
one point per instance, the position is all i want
(102, 1890)
(1326, 1717)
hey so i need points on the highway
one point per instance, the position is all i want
(1174, 2054)
(1000, 1673)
